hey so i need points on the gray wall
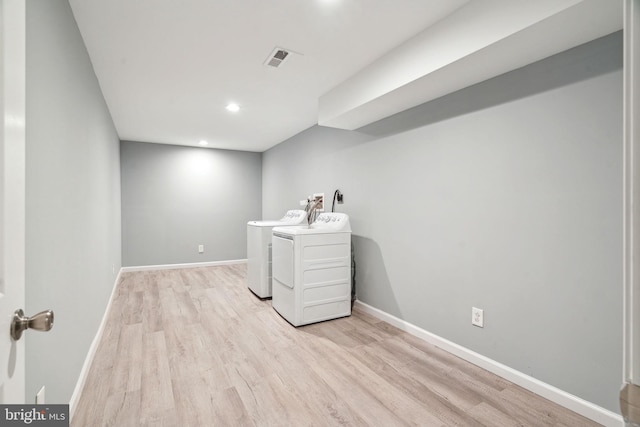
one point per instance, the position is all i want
(175, 198)
(505, 196)
(73, 199)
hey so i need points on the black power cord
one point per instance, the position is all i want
(337, 195)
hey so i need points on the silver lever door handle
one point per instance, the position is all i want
(42, 321)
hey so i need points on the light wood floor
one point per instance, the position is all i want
(195, 347)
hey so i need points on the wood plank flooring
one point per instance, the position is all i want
(194, 347)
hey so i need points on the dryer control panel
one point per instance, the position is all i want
(334, 221)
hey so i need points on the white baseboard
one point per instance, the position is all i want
(186, 265)
(75, 397)
(569, 401)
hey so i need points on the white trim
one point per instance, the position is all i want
(187, 265)
(631, 191)
(88, 361)
(569, 401)
(12, 180)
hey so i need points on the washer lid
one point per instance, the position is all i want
(292, 217)
(275, 223)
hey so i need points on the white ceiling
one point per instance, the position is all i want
(168, 68)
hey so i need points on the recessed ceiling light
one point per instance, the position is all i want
(203, 143)
(234, 108)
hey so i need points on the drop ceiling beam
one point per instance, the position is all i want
(478, 41)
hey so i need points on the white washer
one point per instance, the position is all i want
(312, 270)
(259, 250)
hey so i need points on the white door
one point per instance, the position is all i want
(12, 195)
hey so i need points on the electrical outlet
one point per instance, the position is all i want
(320, 205)
(40, 397)
(200, 249)
(477, 317)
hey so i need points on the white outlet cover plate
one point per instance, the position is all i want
(40, 397)
(477, 317)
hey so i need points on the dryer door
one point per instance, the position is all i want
(282, 259)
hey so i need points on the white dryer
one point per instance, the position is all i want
(259, 250)
(312, 270)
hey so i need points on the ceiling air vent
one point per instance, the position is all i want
(277, 57)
